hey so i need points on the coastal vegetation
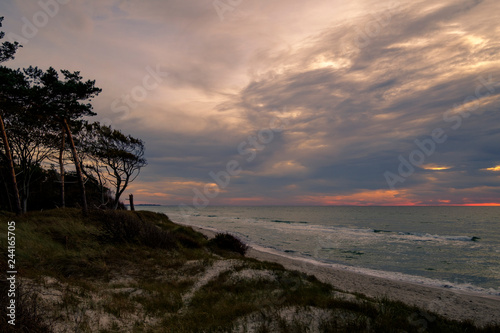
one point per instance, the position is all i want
(124, 271)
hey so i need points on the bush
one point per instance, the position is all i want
(189, 238)
(127, 227)
(229, 243)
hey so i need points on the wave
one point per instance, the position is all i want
(289, 222)
(382, 233)
(429, 237)
(340, 238)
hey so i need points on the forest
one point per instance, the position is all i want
(52, 154)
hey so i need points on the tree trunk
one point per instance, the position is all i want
(119, 190)
(24, 197)
(78, 168)
(25, 205)
(12, 171)
(131, 199)
(25, 185)
(116, 202)
(61, 168)
(117, 193)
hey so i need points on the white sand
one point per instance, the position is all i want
(452, 304)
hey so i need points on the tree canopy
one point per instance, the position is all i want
(43, 115)
(7, 49)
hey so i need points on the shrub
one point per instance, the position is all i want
(154, 237)
(228, 242)
(119, 227)
(189, 238)
(126, 227)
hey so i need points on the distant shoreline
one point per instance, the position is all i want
(144, 205)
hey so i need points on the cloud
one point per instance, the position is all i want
(351, 113)
(357, 83)
(495, 168)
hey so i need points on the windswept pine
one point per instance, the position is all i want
(42, 118)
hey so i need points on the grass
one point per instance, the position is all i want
(140, 272)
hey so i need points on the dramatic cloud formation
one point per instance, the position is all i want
(288, 102)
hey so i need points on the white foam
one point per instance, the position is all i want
(341, 235)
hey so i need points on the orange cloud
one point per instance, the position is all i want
(145, 193)
(482, 204)
(434, 167)
(365, 198)
(495, 168)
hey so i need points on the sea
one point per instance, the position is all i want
(451, 247)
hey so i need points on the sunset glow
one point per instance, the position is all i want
(308, 102)
(497, 168)
(435, 167)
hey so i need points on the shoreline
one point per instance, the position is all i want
(453, 304)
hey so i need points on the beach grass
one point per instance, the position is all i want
(122, 271)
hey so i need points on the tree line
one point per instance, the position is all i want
(44, 128)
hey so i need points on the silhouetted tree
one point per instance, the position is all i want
(64, 103)
(87, 141)
(11, 84)
(30, 134)
(7, 49)
(29, 141)
(41, 114)
(9, 80)
(120, 155)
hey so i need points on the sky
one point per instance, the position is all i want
(321, 102)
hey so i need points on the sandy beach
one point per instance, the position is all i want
(452, 304)
(170, 278)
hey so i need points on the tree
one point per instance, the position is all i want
(9, 80)
(31, 138)
(62, 171)
(87, 141)
(30, 143)
(64, 103)
(11, 83)
(7, 49)
(120, 155)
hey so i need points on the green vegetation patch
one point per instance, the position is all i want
(139, 272)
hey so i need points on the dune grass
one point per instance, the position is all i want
(121, 271)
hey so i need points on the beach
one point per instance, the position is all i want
(456, 247)
(140, 271)
(457, 305)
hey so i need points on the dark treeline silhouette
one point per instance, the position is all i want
(42, 126)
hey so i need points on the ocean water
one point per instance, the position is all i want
(452, 247)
